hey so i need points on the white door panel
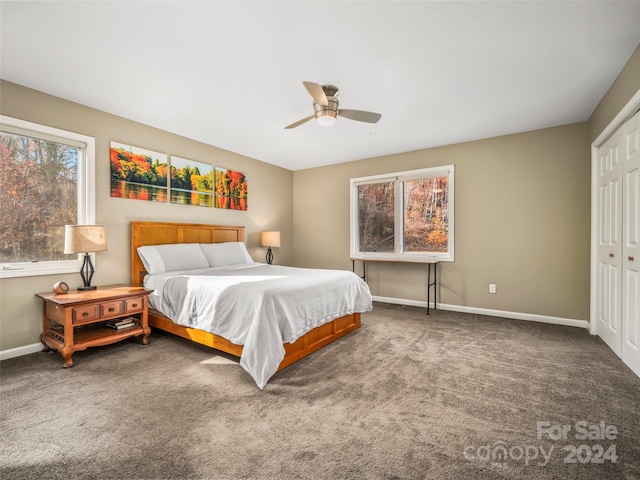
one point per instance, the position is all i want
(609, 247)
(630, 261)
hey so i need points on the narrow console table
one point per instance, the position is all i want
(430, 283)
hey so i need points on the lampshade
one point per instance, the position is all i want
(84, 238)
(270, 239)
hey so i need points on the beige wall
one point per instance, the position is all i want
(521, 221)
(270, 200)
(624, 87)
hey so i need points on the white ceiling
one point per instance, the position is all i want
(230, 73)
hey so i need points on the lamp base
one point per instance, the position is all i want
(86, 272)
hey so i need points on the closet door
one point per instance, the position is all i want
(609, 289)
(630, 261)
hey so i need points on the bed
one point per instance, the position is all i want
(294, 343)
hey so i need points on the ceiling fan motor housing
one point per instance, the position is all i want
(326, 115)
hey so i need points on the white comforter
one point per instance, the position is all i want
(258, 306)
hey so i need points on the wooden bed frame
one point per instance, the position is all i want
(157, 233)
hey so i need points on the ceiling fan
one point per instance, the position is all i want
(325, 105)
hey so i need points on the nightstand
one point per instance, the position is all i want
(80, 319)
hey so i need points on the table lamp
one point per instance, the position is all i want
(85, 239)
(270, 239)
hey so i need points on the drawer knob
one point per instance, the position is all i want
(611, 255)
(85, 314)
(111, 309)
(135, 305)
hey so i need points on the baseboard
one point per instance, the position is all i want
(569, 322)
(19, 351)
(36, 347)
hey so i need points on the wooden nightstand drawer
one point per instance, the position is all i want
(134, 305)
(112, 308)
(86, 313)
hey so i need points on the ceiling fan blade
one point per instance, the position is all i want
(300, 122)
(360, 115)
(317, 93)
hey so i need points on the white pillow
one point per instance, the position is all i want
(171, 257)
(227, 253)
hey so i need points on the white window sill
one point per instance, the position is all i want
(33, 270)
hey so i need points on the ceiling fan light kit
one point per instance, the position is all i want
(326, 115)
(326, 107)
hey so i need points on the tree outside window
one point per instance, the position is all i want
(404, 216)
(47, 183)
(34, 172)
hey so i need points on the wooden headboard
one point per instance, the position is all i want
(159, 233)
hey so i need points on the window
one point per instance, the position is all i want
(48, 181)
(404, 216)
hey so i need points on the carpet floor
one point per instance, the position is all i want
(407, 396)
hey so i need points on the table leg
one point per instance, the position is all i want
(69, 345)
(364, 269)
(433, 284)
(66, 353)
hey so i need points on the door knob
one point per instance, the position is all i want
(630, 258)
(611, 255)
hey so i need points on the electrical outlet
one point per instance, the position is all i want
(492, 288)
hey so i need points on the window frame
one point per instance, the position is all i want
(86, 193)
(399, 178)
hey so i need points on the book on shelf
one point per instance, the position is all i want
(122, 323)
(121, 327)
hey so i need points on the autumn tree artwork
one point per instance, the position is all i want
(425, 216)
(39, 196)
(231, 189)
(138, 173)
(191, 182)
